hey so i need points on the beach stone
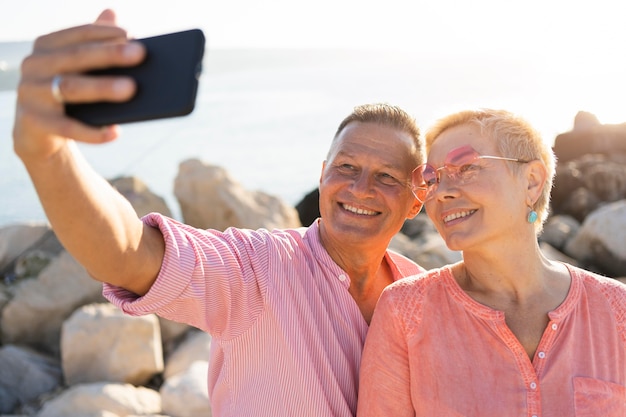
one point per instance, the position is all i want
(101, 343)
(186, 393)
(25, 375)
(309, 207)
(195, 347)
(103, 399)
(39, 306)
(16, 238)
(140, 197)
(428, 250)
(589, 137)
(171, 331)
(601, 239)
(558, 230)
(210, 198)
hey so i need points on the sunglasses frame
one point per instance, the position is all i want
(422, 191)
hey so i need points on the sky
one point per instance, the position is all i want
(578, 47)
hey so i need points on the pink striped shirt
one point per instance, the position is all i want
(434, 351)
(287, 335)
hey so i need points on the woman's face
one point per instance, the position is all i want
(473, 200)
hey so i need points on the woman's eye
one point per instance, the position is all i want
(430, 181)
(467, 168)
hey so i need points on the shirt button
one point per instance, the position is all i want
(554, 326)
(533, 385)
(534, 415)
(342, 277)
(542, 355)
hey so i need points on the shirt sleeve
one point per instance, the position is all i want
(215, 281)
(384, 385)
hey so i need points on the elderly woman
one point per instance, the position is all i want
(506, 331)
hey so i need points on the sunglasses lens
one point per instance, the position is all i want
(429, 175)
(461, 156)
(420, 194)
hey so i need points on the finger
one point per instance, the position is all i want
(74, 89)
(80, 132)
(85, 89)
(107, 17)
(82, 58)
(78, 35)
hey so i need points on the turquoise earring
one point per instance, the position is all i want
(532, 216)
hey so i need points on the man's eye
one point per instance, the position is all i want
(387, 179)
(345, 168)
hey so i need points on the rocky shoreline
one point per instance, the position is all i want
(65, 351)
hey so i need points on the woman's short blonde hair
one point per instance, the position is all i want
(514, 137)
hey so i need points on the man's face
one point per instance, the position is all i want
(365, 193)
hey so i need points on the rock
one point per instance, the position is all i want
(601, 239)
(309, 207)
(429, 250)
(101, 343)
(558, 230)
(585, 121)
(582, 184)
(590, 138)
(103, 399)
(140, 197)
(210, 198)
(15, 239)
(186, 393)
(40, 305)
(18, 239)
(195, 347)
(25, 375)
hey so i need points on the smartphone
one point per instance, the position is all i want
(167, 82)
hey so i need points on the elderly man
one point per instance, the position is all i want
(288, 310)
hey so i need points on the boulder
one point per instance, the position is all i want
(36, 312)
(101, 343)
(589, 137)
(186, 393)
(140, 197)
(210, 198)
(103, 399)
(600, 240)
(25, 375)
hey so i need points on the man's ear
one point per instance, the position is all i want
(322, 172)
(415, 209)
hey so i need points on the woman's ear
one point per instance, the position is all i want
(536, 175)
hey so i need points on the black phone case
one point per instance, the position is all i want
(167, 82)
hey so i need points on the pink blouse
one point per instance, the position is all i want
(434, 351)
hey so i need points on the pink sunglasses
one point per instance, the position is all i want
(460, 165)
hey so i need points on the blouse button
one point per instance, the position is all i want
(542, 355)
(554, 326)
(342, 277)
(533, 385)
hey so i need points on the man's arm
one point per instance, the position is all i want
(95, 223)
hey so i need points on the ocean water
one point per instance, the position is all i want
(268, 117)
